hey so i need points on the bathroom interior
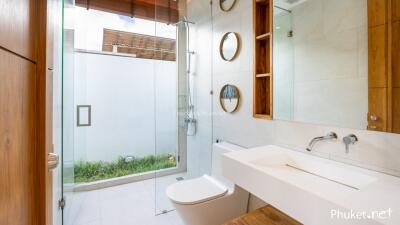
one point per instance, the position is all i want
(178, 89)
(202, 112)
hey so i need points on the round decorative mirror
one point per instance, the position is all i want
(229, 98)
(227, 5)
(229, 46)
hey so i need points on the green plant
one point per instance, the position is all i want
(94, 171)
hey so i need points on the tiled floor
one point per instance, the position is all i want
(130, 204)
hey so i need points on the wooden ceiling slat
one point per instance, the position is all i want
(143, 46)
(165, 11)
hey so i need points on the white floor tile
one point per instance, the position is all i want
(130, 204)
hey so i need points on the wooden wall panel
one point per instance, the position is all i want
(377, 12)
(44, 112)
(377, 105)
(377, 56)
(396, 110)
(25, 112)
(395, 10)
(396, 68)
(18, 27)
(17, 143)
(384, 64)
(396, 54)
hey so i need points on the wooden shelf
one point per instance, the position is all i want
(263, 75)
(263, 36)
(262, 116)
(262, 105)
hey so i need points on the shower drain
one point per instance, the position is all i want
(180, 178)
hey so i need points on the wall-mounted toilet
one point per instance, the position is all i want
(209, 200)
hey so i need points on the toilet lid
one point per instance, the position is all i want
(196, 190)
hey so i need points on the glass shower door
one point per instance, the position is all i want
(109, 117)
(189, 130)
(166, 85)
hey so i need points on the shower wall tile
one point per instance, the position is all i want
(374, 150)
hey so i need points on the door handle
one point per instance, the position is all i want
(373, 117)
(52, 161)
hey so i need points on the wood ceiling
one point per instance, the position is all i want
(165, 11)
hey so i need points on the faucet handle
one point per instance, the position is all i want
(348, 140)
(331, 135)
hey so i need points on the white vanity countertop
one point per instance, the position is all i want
(308, 188)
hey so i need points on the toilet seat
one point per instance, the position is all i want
(195, 191)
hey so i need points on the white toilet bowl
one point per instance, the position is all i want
(209, 200)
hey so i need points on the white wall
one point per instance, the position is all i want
(240, 127)
(134, 106)
(374, 150)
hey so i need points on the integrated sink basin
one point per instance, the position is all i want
(299, 164)
(308, 187)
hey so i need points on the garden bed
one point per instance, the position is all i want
(85, 172)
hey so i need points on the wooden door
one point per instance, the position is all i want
(25, 113)
(17, 143)
(18, 19)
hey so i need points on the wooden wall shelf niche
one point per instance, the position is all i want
(262, 22)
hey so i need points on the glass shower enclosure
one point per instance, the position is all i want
(135, 118)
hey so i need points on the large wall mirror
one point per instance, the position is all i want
(333, 64)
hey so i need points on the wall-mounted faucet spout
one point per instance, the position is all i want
(329, 136)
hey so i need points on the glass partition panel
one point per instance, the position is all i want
(166, 113)
(110, 117)
(183, 100)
